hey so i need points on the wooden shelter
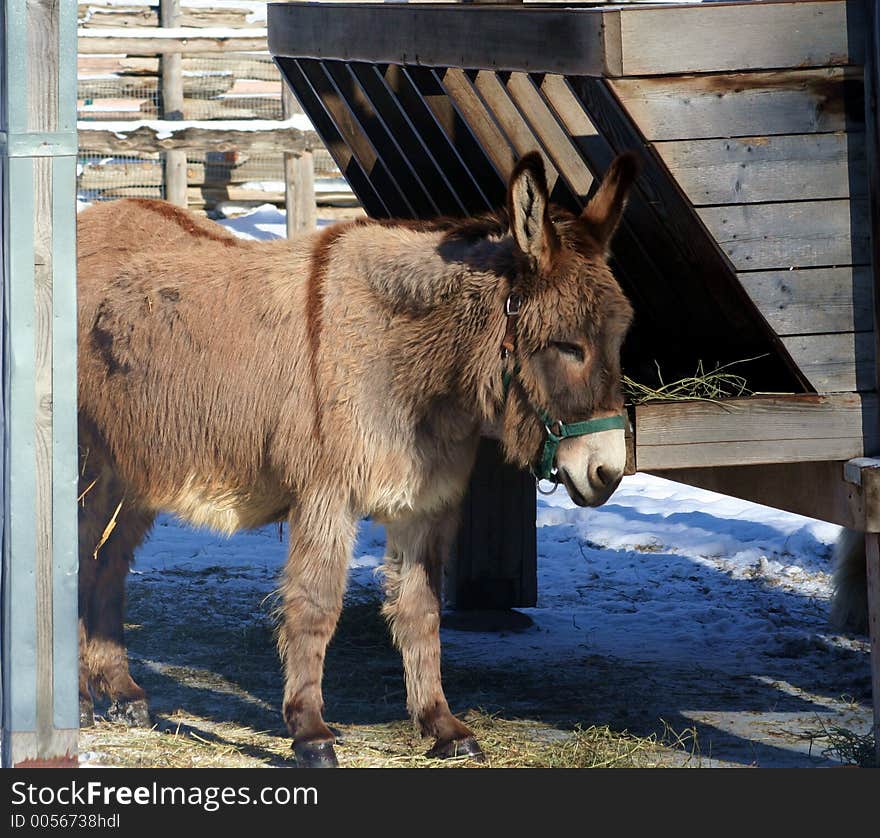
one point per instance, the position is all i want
(752, 233)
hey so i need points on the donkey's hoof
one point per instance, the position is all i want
(315, 755)
(467, 747)
(131, 713)
(86, 712)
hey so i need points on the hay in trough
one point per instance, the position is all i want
(703, 385)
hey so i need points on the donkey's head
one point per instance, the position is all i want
(564, 413)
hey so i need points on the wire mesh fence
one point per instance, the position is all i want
(213, 177)
(231, 86)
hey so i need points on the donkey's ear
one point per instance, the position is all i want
(605, 208)
(528, 206)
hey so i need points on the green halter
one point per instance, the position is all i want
(556, 429)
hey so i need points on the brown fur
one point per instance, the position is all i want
(344, 373)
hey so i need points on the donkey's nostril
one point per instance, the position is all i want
(601, 476)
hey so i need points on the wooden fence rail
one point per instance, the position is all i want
(147, 66)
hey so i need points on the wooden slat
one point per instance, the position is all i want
(813, 300)
(519, 133)
(473, 110)
(747, 170)
(426, 84)
(333, 140)
(744, 104)
(703, 38)
(755, 430)
(371, 124)
(835, 363)
(545, 125)
(798, 234)
(441, 146)
(411, 146)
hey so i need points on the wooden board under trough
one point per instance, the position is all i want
(760, 429)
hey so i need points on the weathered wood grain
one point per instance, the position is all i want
(159, 136)
(755, 430)
(473, 110)
(551, 134)
(839, 363)
(797, 234)
(171, 99)
(813, 300)
(168, 41)
(704, 38)
(744, 104)
(469, 36)
(746, 170)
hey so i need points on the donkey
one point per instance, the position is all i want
(345, 373)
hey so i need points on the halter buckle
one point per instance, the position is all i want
(512, 304)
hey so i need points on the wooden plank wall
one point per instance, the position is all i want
(774, 162)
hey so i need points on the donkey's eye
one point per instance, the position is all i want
(572, 350)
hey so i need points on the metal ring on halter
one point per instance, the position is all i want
(554, 479)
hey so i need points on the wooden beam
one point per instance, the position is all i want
(466, 36)
(126, 41)
(496, 552)
(299, 181)
(815, 489)
(595, 41)
(159, 135)
(759, 429)
(740, 37)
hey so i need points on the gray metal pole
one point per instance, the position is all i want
(38, 575)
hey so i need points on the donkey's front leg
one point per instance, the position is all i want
(417, 549)
(321, 538)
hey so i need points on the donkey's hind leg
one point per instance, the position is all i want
(321, 538)
(108, 657)
(103, 568)
(417, 549)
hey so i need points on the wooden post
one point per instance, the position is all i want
(38, 141)
(171, 83)
(872, 154)
(496, 558)
(299, 178)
